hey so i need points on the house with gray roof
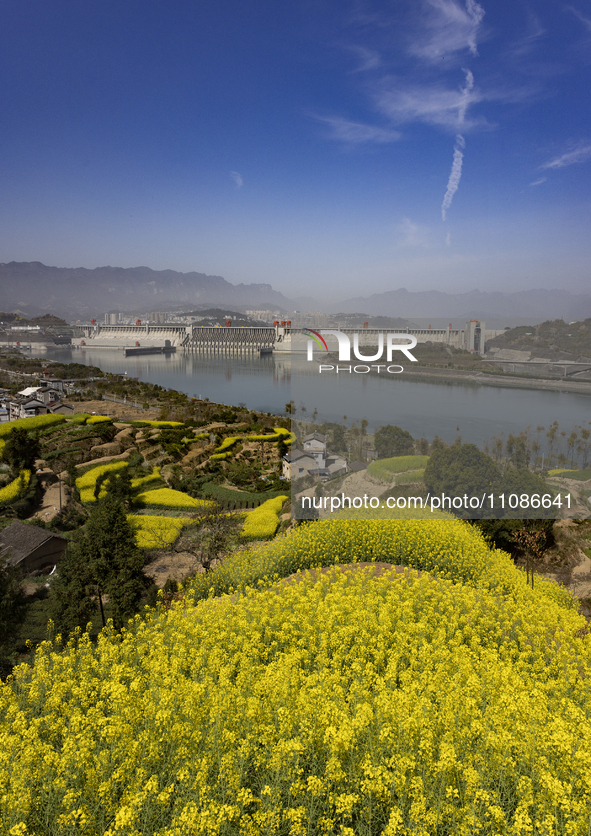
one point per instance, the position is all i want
(30, 547)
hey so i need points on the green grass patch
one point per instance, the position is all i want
(225, 496)
(410, 478)
(385, 469)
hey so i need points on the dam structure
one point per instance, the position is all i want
(218, 339)
(277, 338)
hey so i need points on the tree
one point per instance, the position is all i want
(437, 444)
(393, 441)
(21, 450)
(73, 594)
(531, 542)
(208, 542)
(462, 470)
(501, 533)
(519, 480)
(105, 561)
(518, 450)
(11, 612)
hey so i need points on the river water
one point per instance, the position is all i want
(268, 383)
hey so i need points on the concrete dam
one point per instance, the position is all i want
(278, 339)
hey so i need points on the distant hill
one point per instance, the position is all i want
(477, 304)
(554, 339)
(33, 288)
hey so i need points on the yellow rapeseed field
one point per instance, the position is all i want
(16, 488)
(263, 521)
(87, 482)
(152, 532)
(35, 422)
(169, 498)
(456, 701)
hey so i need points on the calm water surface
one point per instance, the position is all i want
(268, 383)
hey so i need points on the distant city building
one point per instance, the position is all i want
(309, 319)
(112, 318)
(265, 316)
(158, 316)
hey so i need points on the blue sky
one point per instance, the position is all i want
(332, 148)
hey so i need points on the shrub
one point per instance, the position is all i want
(263, 521)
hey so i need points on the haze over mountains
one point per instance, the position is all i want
(477, 304)
(33, 288)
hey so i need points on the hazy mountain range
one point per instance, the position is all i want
(33, 288)
(477, 304)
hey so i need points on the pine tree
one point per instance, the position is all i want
(114, 559)
(73, 593)
(11, 614)
(105, 562)
(21, 450)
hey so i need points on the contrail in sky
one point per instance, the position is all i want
(455, 174)
(456, 167)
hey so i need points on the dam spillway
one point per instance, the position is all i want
(266, 339)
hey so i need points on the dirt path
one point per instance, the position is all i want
(115, 410)
(361, 483)
(49, 506)
(355, 484)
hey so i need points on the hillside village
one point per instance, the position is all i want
(201, 480)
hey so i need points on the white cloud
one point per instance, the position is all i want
(580, 154)
(539, 181)
(455, 175)
(369, 59)
(584, 20)
(523, 46)
(412, 234)
(237, 178)
(434, 105)
(355, 133)
(448, 27)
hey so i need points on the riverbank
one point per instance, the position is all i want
(428, 374)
